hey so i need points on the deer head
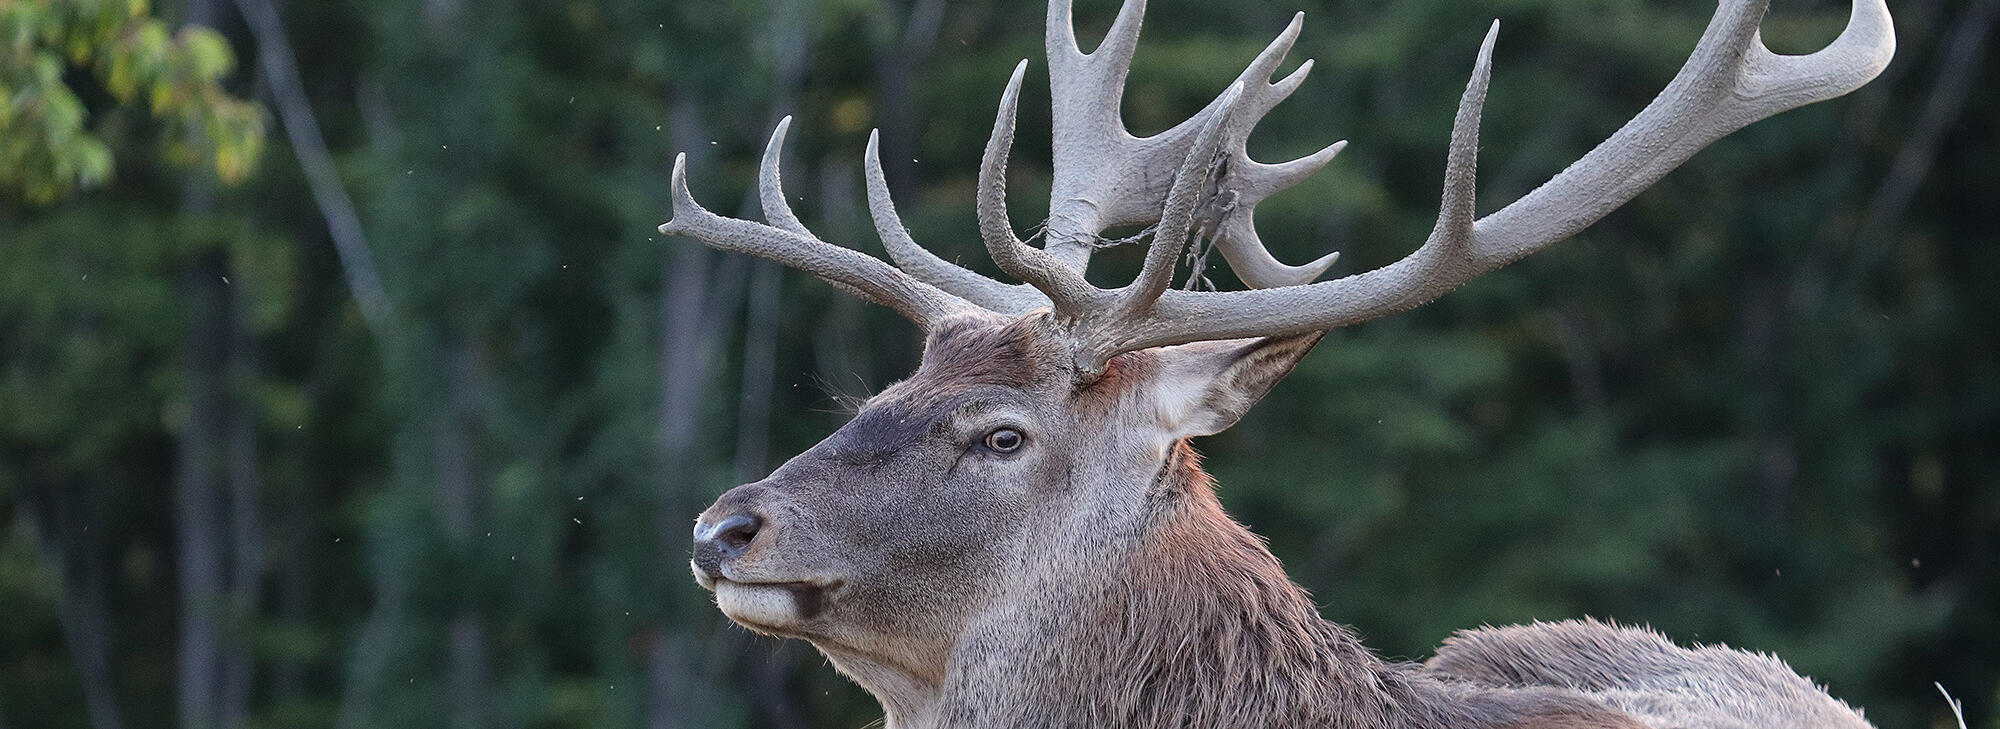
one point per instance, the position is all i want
(1036, 464)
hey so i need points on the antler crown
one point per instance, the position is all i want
(1197, 180)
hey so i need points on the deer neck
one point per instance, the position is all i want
(1195, 625)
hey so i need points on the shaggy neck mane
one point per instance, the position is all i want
(1207, 630)
(1201, 628)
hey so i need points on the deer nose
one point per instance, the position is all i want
(724, 540)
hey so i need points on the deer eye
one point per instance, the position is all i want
(1005, 440)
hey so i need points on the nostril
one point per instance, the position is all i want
(730, 536)
(736, 531)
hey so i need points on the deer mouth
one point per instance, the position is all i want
(772, 606)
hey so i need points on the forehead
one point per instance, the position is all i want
(888, 427)
(975, 365)
(972, 355)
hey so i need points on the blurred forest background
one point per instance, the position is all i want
(344, 381)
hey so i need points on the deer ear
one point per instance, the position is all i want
(1204, 387)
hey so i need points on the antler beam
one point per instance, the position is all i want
(1197, 178)
(1730, 81)
(788, 242)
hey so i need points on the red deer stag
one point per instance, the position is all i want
(1019, 534)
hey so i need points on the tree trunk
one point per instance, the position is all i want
(683, 378)
(895, 74)
(1962, 52)
(198, 556)
(288, 93)
(760, 345)
(278, 65)
(292, 587)
(64, 518)
(369, 658)
(245, 526)
(459, 497)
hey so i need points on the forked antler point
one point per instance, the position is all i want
(919, 262)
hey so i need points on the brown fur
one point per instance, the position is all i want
(972, 351)
(1204, 629)
(1645, 674)
(1093, 579)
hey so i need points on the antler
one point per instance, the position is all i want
(926, 266)
(1730, 81)
(787, 241)
(1105, 177)
(1197, 178)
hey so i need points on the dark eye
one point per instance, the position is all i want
(1005, 440)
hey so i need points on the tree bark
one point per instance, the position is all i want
(63, 520)
(371, 649)
(281, 74)
(895, 74)
(459, 498)
(245, 525)
(369, 659)
(198, 556)
(760, 346)
(1962, 51)
(683, 377)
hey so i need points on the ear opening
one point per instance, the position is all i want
(1205, 387)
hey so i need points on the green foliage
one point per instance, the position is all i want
(1716, 412)
(49, 145)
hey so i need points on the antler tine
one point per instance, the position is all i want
(1452, 237)
(771, 190)
(777, 210)
(1730, 81)
(1104, 176)
(1066, 288)
(1177, 217)
(858, 273)
(1122, 41)
(1236, 234)
(1249, 182)
(1183, 316)
(925, 266)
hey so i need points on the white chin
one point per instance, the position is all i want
(756, 606)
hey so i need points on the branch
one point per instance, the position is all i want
(1962, 51)
(281, 73)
